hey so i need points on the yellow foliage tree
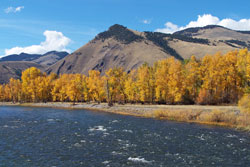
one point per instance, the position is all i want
(115, 85)
(243, 65)
(176, 81)
(210, 72)
(45, 87)
(162, 80)
(169, 81)
(2, 93)
(220, 78)
(75, 88)
(232, 82)
(131, 88)
(214, 79)
(59, 90)
(6, 93)
(146, 83)
(15, 88)
(29, 86)
(85, 89)
(95, 84)
(192, 80)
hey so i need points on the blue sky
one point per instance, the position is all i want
(26, 23)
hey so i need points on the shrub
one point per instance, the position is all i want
(219, 116)
(177, 115)
(215, 117)
(243, 121)
(244, 104)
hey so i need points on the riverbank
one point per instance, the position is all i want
(213, 115)
(127, 109)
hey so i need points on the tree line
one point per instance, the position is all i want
(214, 79)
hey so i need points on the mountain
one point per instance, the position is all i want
(123, 47)
(13, 69)
(116, 47)
(12, 66)
(215, 32)
(46, 59)
(218, 33)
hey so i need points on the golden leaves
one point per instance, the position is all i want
(212, 80)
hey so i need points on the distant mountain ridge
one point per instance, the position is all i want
(193, 30)
(123, 47)
(215, 32)
(13, 69)
(12, 66)
(46, 59)
(190, 31)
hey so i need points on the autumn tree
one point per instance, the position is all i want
(215, 79)
(85, 89)
(131, 87)
(232, 83)
(95, 83)
(208, 75)
(45, 87)
(162, 80)
(29, 86)
(6, 93)
(176, 81)
(115, 85)
(146, 83)
(2, 93)
(15, 90)
(192, 80)
(169, 81)
(243, 65)
(75, 88)
(221, 78)
(59, 88)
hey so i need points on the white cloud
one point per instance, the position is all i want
(19, 8)
(146, 21)
(169, 28)
(13, 9)
(54, 41)
(208, 19)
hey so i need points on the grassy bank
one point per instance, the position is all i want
(229, 116)
(215, 117)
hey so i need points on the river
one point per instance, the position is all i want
(34, 137)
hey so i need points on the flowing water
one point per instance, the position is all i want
(33, 137)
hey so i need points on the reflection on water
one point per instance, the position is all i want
(57, 137)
